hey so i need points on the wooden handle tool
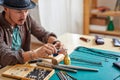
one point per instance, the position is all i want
(56, 59)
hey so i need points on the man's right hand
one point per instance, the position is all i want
(45, 50)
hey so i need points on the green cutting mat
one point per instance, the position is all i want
(106, 71)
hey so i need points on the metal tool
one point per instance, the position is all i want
(99, 53)
(45, 64)
(116, 77)
(65, 76)
(84, 39)
(34, 61)
(79, 67)
(62, 76)
(87, 61)
(69, 76)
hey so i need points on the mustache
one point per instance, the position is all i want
(21, 19)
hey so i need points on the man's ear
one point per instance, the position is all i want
(5, 9)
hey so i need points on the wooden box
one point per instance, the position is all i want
(27, 72)
(99, 21)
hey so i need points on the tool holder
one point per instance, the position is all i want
(27, 72)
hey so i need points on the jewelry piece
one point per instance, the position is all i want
(54, 42)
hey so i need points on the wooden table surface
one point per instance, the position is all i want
(71, 41)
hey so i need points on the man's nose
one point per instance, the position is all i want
(24, 14)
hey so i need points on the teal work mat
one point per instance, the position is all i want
(86, 57)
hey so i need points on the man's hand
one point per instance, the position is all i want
(60, 47)
(45, 50)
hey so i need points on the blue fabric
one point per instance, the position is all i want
(16, 39)
(106, 72)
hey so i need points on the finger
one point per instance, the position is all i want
(59, 45)
(48, 51)
(62, 50)
(45, 55)
(43, 52)
(51, 47)
(62, 46)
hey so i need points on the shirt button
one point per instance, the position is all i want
(11, 35)
(8, 29)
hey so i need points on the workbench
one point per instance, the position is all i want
(72, 41)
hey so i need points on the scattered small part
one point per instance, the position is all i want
(99, 40)
(116, 42)
(84, 39)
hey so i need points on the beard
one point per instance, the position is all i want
(20, 22)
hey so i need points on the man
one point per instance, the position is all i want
(16, 27)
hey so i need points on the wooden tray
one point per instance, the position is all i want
(27, 72)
